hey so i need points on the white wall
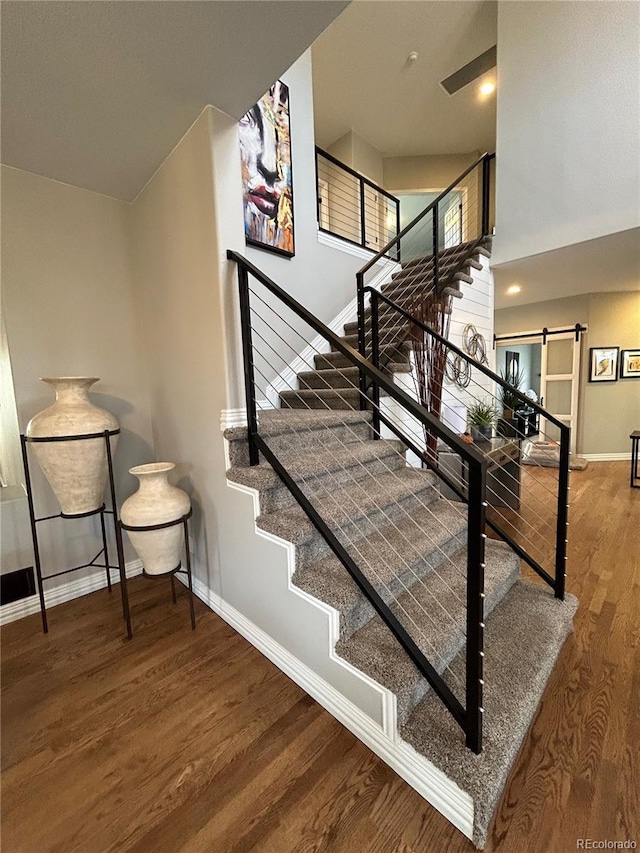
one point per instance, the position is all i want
(568, 131)
(69, 309)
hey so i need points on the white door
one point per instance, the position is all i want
(559, 383)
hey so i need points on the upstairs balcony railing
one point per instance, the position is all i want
(352, 207)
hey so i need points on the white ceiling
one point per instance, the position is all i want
(604, 265)
(363, 80)
(97, 93)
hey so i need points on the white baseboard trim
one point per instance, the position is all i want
(606, 457)
(430, 782)
(65, 592)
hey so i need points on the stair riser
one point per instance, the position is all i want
(336, 360)
(352, 340)
(362, 612)
(329, 399)
(317, 548)
(279, 497)
(348, 378)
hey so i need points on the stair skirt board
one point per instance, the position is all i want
(444, 772)
(421, 774)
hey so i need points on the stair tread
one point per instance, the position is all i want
(389, 557)
(347, 504)
(302, 463)
(523, 638)
(434, 613)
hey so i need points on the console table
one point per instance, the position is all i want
(503, 471)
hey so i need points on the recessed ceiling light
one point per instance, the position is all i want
(487, 88)
(514, 288)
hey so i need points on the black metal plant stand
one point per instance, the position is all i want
(101, 511)
(184, 520)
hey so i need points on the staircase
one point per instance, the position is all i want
(334, 384)
(412, 542)
(429, 611)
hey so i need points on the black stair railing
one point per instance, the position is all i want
(480, 383)
(352, 207)
(468, 714)
(460, 215)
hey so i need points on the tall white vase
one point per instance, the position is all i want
(77, 471)
(156, 502)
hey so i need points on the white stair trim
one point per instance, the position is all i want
(65, 592)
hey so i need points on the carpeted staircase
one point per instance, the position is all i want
(410, 543)
(334, 383)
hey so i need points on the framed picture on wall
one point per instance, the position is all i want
(630, 364)
(603, 364)
(267, 180)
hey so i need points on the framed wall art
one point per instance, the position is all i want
(603, 364)
(267, 180)
(630, 364)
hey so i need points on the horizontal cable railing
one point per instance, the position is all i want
(352, 207)
(527, 492)
(372, 516)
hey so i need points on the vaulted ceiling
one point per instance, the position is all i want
(97, 93)
(364, 80)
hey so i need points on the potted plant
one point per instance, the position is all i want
(482, 418)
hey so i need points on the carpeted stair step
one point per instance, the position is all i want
(434, 613)
(395, 329)
(288, 430)
(329, 398)
(320, 472)
(352, 511)
(345, 377)
(522, 640)
(393, 558)
(335, 360)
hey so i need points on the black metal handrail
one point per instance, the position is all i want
(485, 163)
(557, 582)
(469, 716)
(359, 219)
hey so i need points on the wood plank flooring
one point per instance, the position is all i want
(193, 742)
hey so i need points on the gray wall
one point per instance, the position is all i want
(608, 411)
(68, 300)
(568, 135)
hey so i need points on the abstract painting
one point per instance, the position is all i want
(267, 182)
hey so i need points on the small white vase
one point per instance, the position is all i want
(77, 471)
(156, 502)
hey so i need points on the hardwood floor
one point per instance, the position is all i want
(193, 742)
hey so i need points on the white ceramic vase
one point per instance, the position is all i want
(156, 502)
(77, 471)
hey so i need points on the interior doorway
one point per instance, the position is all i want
(547, 369)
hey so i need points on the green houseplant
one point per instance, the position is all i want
(482, 418)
